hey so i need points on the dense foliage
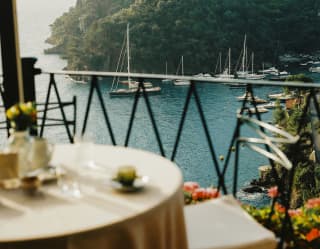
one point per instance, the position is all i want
(90, 35)
(305, 222)
(306, 183)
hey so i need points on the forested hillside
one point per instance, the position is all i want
(91, 34)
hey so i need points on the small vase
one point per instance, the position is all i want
(20, 142)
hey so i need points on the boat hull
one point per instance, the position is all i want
(181, 82)
(132, 92)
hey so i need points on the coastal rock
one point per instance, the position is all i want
(265, 180)
(253, 189)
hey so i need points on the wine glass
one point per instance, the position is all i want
(84, 150)
(68, 183)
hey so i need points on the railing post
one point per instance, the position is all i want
(29, 71)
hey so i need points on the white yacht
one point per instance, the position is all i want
(314, 69)
(259, 109)
(271, 70)
(270, 105)
(250, 98)
(281, 96)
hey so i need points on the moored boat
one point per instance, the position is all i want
(133, 86)
(281, 96)
(130, 92)
(314, 69)
(181, 82)
(271, 70)
(269, 105)
(226, 73)
(166, 80)
(254, 110)
(250, 98)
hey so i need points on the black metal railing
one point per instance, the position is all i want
(219, 168)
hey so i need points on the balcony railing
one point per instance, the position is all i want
(220, 166)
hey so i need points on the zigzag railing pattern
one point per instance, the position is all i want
(245, 117)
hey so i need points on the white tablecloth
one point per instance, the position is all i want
(102, 217)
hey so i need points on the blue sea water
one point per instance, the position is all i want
(193, 157)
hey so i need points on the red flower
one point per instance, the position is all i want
(194, 196)
(199, 193)
(273, 192)
(278, 207)
(313, 234)
(192, 190)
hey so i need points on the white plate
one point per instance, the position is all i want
(138, 184)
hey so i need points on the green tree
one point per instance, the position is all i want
(163, 30)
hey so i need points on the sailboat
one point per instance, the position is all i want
(226, 74)
(166, 80)
(242, 73)
(252, 75)
(181, 82)
(133, 86)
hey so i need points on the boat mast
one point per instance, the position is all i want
(182, 71)
(128, 54)
(220, 71)
(166, 68)
(229, 67)
(252, 62)
(244, 53)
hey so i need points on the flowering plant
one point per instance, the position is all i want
(22, 115)
(305, 221)
(193, 193)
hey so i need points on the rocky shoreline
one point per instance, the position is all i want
(263, 183)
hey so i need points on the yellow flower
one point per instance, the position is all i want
(26, 108)
(13, 112)
(22, 115)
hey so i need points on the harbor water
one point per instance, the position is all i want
(219, 103)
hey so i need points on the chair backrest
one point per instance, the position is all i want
(44, 120)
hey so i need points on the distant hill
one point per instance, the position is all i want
(90, 35)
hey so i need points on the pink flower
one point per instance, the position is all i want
(294, 212)
(212, 193)
(312, 203)
(273, 192)
(190, 186)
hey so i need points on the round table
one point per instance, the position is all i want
(100, 217)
